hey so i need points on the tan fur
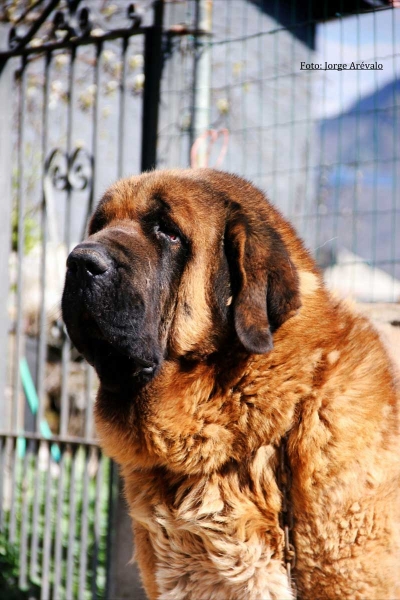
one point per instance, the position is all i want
(199, 461)
(309, 282)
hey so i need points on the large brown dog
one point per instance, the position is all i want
(215, 339)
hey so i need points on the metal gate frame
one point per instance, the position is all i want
(20, 450)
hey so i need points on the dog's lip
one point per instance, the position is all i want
(101, 342)
(143, 363)
(131, 371)
(139, 364)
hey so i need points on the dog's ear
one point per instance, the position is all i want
(264, 280)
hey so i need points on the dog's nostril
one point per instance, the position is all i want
(72, 266)
(89, 259)
(95, 264)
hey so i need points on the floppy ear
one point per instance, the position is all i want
(264, 281)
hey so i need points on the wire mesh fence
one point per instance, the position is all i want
(321, 139)
(256, 87)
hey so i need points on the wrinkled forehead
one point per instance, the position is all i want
(190, 202)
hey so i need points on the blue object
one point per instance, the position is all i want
(33, 401)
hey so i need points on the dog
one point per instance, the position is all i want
(220, 355)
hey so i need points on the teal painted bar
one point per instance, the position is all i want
(33, 401)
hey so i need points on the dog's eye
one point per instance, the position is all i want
(166, 232)
(172, 237)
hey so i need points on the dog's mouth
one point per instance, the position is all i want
(116, 363)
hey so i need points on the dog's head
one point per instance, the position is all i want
(177, 264)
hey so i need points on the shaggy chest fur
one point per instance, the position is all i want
(215, 537)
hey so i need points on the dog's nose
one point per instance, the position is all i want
(88, 259)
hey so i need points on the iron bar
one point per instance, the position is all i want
(112, 503)
(17, 419)
(12, 531)
(48, 527)
(71, 527)
(37, 502)
(95, 135)
(56, 439)
(200, 120)
(66, 347)
(96, 524)
(89, 374)
(168, 71)
(58, 527)
(23, 544)
(121, 112)
(42, 350)
(153, 59)
(6, 140)
(84, 529)
(75, 42)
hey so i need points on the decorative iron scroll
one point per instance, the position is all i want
(70, 172)
(67, 172)
(60, 22)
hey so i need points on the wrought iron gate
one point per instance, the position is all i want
(96, 90)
